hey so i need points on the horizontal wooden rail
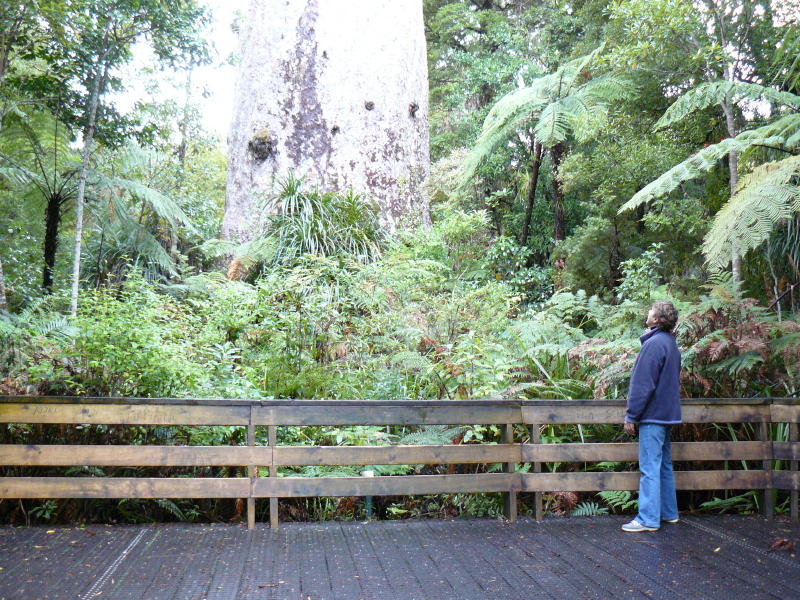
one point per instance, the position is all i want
(271, 414)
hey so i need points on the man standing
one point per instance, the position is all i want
(654, 403)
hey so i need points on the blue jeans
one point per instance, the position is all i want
(657, 500)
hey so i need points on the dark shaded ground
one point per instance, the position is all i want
(700, 557)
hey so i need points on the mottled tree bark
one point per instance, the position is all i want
(336, 91)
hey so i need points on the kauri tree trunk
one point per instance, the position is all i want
(336, 91)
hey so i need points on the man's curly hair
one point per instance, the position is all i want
(666, 315)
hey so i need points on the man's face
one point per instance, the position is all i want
(651, 319)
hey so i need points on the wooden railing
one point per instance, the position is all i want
(275, 413)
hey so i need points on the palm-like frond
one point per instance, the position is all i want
(555, 105)
(714, 93)
(37, 153)
(783, 133)
(162, 205)
(764, 198)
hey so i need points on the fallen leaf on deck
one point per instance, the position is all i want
(781, 544)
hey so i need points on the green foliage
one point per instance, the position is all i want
(620, 500)
(641, 275)
(108, 357)
(588, 509)
(557, 105)
(764, 199)
(321, 223)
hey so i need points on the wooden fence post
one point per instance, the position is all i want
(252, 473)
(510, 504)
(272, 432)
(538, 505)
(793, 467)
(764, 436)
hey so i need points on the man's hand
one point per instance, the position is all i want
(630, 428)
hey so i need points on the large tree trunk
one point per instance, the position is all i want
(535, 164)
(88, 138)
(336, 91)
(556, 153)
(52, 219)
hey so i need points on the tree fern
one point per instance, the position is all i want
(767, 196)
(715, 93)
(555, 105)
(783, 133)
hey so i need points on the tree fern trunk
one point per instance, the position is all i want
(535, 164)
(52, 220)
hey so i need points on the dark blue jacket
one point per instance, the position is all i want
(654, 394)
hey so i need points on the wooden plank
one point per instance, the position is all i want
(381, 414)
(726, 413)
(786, 480)
(684, 480)
(293, 487)
(681, 451)
(578, 482)
(565, 414)
(692, 413)
(124, 414)
(787, 450)
(133, 456)
(785, 413)
(795, 453)
(122, 487)
(397, 455)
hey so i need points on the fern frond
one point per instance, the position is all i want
(763, 199)
(588, 509)
(736, 364)
(783, 133)
(432, 435)
(714, 93)
(561, 99)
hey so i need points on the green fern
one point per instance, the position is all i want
(432, 435)
(736, 364)
(715, 93)
(767, 196)
(783, 133)
(588, 509)
(619, 500)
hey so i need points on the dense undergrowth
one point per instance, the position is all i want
(439, 313)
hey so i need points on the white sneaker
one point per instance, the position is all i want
(675, 520)
(636, 526)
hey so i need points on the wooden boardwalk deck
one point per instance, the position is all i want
(700, 557)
